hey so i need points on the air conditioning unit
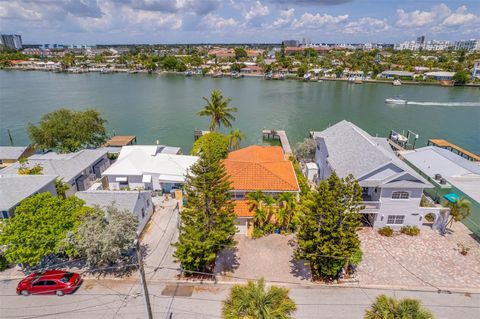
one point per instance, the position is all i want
(443, 181)
(438, 177)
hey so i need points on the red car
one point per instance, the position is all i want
(57, 282)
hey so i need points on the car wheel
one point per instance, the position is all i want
(59, 293)
(25, 293)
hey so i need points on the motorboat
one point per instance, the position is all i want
(236, 75)
(395, 100)
(397, 82)
(307, 76)
(188, 73)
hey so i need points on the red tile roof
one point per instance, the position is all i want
(261, 168)
(242, 209)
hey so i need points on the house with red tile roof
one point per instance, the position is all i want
(258, 168)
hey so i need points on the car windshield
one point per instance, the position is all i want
(66, 277)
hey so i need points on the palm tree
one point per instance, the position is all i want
(385, 308)
(269, 203)
(256, 204)
(219, 111)
(254, 301)
(236, 136)
(286, 202)
(459, 210)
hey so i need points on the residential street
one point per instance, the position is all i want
(116, 299)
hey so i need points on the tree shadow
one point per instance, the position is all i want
(227, 261)
(299, 267)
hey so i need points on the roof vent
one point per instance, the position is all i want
(438, 177)
(443, 181)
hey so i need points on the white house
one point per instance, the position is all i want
(149, 167)
(79, 170)
(391, 189)
(15, 188)
(476, 69)
(138, 203)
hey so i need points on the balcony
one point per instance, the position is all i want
(370, 205)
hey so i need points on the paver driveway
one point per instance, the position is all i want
(270, 257)
(428, 260)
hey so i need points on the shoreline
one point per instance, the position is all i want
(227, 75)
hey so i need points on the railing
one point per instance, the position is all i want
(370, 205)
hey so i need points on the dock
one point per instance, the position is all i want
(282, 136)
(454, 149)
(121, 140)
(199, 133)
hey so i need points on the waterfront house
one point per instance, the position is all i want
(138, 203)
(78, 170)
(258, 168)
(450, 173)
(439, 75)
(391, 190)
(476, 69)
(11, 154)
(252, 69)
(391, 74)
(15, 188)
(149, 167)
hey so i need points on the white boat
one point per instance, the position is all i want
(307, 76)
(397, 82)
(395, 101)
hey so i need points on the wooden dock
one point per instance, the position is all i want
(121, 140)
(280, 135)
(454, 149)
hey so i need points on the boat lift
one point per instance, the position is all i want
(403, 141)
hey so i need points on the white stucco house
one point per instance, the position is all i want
(392, 190)
(149, 167)
(138, 203)
(15, 188)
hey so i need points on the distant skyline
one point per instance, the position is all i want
(230, 21)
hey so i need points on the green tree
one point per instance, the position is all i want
(218, 109)
(68, 131)
(26, 169)
(461, 77)
(302, 69)
(240, 53)
(207, 222)
(214, 144)
(459, 210)
(170, 63)
(40, 227)
(61, 187)
(306, 149)
(286, 209)
(327, 234)
(104, 234)
(236, 136)
(256, 205)
(253, 300)
(389, 308)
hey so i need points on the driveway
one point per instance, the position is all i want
(158, 237)
(270, 257)
(428, 260)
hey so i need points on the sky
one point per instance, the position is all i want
(235, 21)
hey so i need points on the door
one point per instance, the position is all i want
(241, 224)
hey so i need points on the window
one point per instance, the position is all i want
(400, 195)
(39, 283)
(238, 195)
(395, 219)
(143, 213)
(66, 277)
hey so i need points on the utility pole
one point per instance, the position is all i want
(142, 277)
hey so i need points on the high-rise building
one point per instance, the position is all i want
(291, 43)
(11, 41)
(421, 40)
(469, 45)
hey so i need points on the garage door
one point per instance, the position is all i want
(241, 224)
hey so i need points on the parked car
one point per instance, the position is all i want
(57, 282)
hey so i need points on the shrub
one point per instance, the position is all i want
(3, 262)
(269, 228)
(386, 231)
(257, 233)
(410, 230)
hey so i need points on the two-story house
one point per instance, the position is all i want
(257, 168)
(392, 190)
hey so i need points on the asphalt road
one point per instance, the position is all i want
(123, 299)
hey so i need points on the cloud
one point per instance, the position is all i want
(460, 17)
(257, 10)
(285, 17)
(366, 25)
(200, 7)
(313, 21)
(215, 22)
(419, 18)
(311, 2)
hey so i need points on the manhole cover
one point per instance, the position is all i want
(178, 290)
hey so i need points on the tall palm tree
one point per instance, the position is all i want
(254, 301)
(236, 136)
(287, 204)
(256, 204)
(459, 210)
(219, 110)
(269, 203)
(385, 308)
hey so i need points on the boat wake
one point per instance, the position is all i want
(445, 103)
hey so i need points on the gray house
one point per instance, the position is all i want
(79, 170)
(391, 189)
(138, 203)
(15, 188)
